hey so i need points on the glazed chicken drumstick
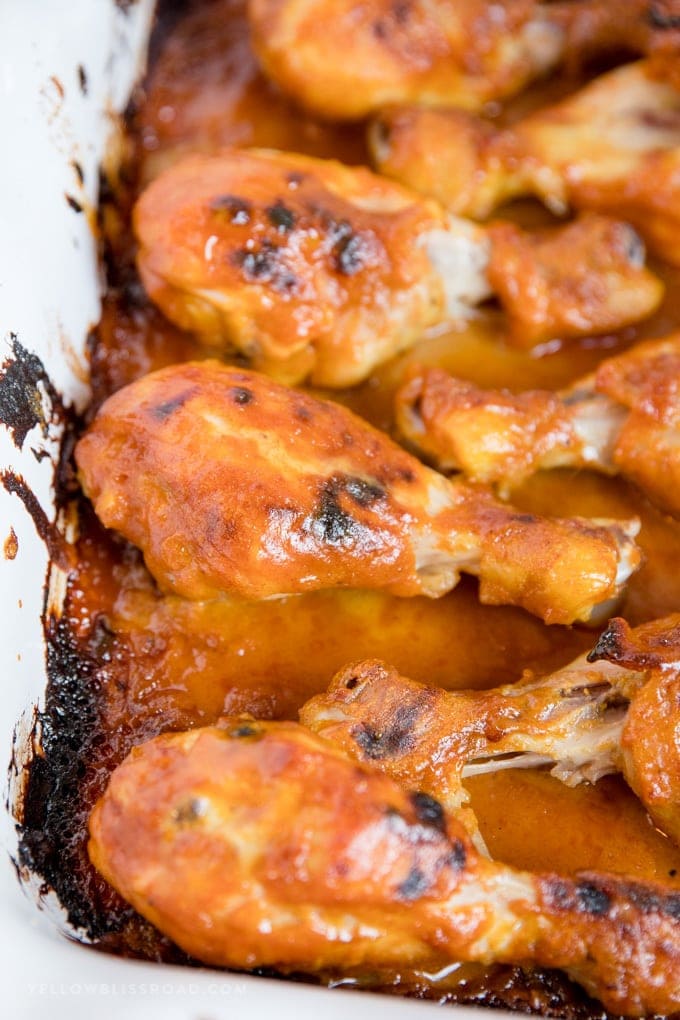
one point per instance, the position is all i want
(613, 710)
(313, 269)
(622, 419)
(613, 147)
(306, 266)
(465, 54)
(231, 483)
(289, 855)
(462, 53)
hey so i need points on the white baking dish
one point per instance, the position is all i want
(65, 69)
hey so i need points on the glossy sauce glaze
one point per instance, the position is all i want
(155, 663)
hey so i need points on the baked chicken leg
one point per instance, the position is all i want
(611, 711)
(232, 483)
(613, 147)
(462, 53)
(289, 855)
(622, 419)
(314, 269)
(306, 266)
(344, 60)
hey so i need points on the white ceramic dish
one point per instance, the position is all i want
(65, 70)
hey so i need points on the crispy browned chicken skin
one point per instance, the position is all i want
(232, 483)
(345, 59)
(287, 854)
(613, 710)
(613, 147)
(622, 419)
(311, 268)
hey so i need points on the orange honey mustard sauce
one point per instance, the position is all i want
(167, 664)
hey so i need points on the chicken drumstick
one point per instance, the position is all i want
(613, 710)
(622, 419)
(289, 855)
(314, 269)
(232, 483)
(464, 53)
